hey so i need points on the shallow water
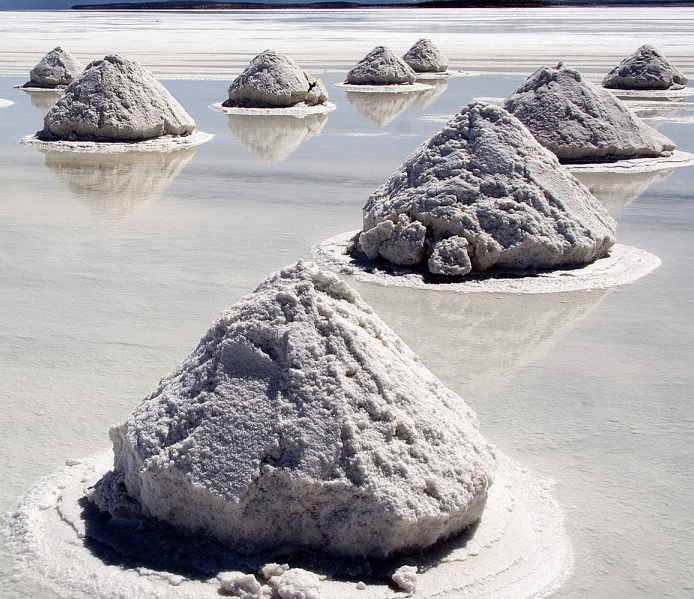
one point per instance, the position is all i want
(112, 268)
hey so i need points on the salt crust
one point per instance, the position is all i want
(519, 550)
(301, 408)
(298, 110)
(158, 144)
(626, 94)
(636, 165)
(396, 88)
(4, 103)
(58, 89)
(435, 76)
(624, 265)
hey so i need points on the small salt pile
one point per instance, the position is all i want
(56, 69)
(302, 420)
(483, 193)
(273, 80)
(425, 57)
(381, 67)
(645, 69)
(115, 99)
(581, 122)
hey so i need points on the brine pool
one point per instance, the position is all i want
(112, 267)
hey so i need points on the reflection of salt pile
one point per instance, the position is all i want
(423, 100)
(617, 190)
(43, 101)
(275, 80)
(482, 193)
(645, 69)
(380, 109)
(381, 67)
(425, 57)
(56, 69)
(302, 420)
(116, 186)
(581, 122)
(273, 138)
(116, 99)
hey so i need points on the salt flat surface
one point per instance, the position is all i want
(636, 165)
(400, 88)
(157, 144)
(103, 291)
(297, 111)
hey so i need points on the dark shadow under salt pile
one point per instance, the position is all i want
(645, 69)
(57, 69)
(581, 122)
(425, 57)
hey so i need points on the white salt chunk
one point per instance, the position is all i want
(295, 583)
(406, 578)
(241, 585)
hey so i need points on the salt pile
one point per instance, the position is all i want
(425, 57)
(645, 69)
(381, 67)
(116, 99)
(58, 68)
(579, 121)
(483, 193)
(276, 81)
(302, 420)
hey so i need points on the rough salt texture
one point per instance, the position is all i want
(116, 99)
(381, 67)
(645, 69)
(295, 583)
(483, 193)
(275, 80)
(58, 67)
(241, 585)
(405, 577)
(579, 121)
(302, 420)
(425, 57)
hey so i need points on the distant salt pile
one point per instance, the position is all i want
(57, 68)
(483, 193)
(275, 80)
(116, 99)
(425, 57)
(381, 67)
(579, 121)
(645, 69)
(302, 420)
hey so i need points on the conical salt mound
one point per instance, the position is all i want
(57, 68)
(302, 420)
(425, 57)
(579, 121)
(381, 67)
(116, 99)
(275, 80)
(645, 69)
(484, 193)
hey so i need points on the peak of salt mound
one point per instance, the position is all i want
(303, 420)
(58, 67)
(579, 121)
(484, 193)
(116, 99)
(275, 80)
(425, 57)
(645, 69)
(381, 67)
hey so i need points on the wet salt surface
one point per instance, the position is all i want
(103, 292)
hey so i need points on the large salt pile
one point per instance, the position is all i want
(57, 68)
(484, 193)
(116, 99)
(302, 420)
(579, 121)
(425, 57)
(645, 69)
(381, 67)
(275, 80)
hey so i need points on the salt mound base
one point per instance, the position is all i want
(482, 194)
(381, 67)
(645, 69)
(57, 68)
(425, 57)
(581, 122)
(302, 421)
(273, 80)
(115, 99)
(5, 103)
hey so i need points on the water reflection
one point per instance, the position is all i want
(43, 101)
(116, 186)
(426, 98)
(273, 138)
(617, 190)
(380, 108)
(476, 342)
